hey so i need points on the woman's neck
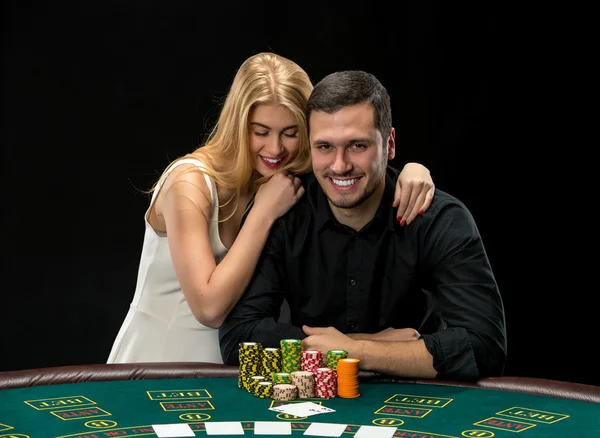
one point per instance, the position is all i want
(250, 188)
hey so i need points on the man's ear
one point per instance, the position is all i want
(391, 145)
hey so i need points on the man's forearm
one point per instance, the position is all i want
(361, 336)
(405, 359)
(387, 335)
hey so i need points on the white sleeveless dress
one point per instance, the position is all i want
(159, 326)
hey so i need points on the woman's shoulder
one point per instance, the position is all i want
(185, 170)
(187, 180)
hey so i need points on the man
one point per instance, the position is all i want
(418, 301)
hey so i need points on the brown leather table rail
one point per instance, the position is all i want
(140, 371)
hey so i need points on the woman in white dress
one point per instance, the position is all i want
(196, 260)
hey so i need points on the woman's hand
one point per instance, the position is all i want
(414, 192)
(280, 193)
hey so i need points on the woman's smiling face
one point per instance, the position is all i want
(273, 133)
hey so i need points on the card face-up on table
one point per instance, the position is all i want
(325, 429)
(175, 430)
(224, 428)
(272, 428)
(375, 432)
(304, 409)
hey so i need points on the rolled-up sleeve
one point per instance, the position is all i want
(254, 318)
(471, 342)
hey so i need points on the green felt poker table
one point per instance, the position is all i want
(125, 400)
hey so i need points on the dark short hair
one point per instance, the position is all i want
(351, 87)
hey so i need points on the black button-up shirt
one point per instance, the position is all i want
(433, 276)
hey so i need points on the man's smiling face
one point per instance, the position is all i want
(348, 156)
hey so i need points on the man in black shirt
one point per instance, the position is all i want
(418, 301)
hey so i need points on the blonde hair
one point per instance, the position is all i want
(264, 78)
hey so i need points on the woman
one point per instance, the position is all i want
(196, 261)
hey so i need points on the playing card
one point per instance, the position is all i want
(305, 409)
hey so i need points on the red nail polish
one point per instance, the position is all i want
(402, 223)
(420, 211)
(399, 218)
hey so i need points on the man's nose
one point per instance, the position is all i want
(341, 164)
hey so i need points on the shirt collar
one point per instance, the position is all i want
(384, 213)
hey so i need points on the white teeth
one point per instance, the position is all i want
(271, 160)
(345, 182)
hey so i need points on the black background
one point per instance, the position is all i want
(98, 97)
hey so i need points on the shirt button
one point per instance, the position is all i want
(352, 325)
(353, 282)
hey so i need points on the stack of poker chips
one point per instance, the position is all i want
(305, 382)
(271, 362)
(311, 360)
(285, 392)
(291, 355)
(282, 378)
(347, 372)
(290, 372)
(325, 383)
(253, 382)
(333, 357)
(250, 357)
(263, 389)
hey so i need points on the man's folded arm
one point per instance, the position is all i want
(472, 343)
(254, 318)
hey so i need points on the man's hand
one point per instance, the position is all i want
(327, 338)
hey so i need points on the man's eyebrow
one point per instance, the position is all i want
(268, 127)
(359, 140)
(346, 143)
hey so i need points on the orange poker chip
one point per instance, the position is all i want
(347, 378)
